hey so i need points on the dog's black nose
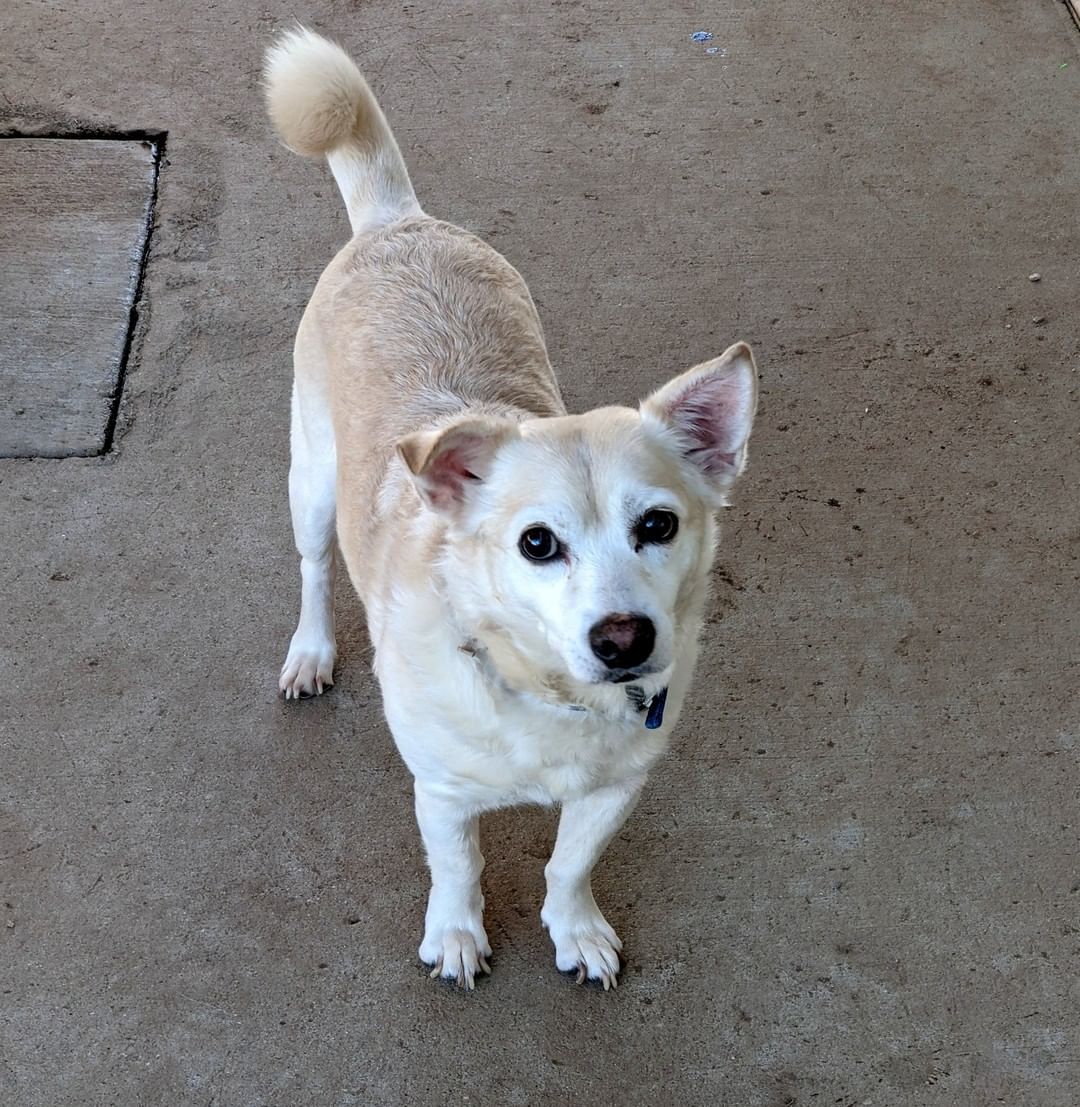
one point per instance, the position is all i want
(623, 641)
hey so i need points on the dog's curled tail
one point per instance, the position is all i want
(322, 107)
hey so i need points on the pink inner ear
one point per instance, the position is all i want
(712, 415)
(446, 476)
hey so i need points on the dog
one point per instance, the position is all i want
(534, 582)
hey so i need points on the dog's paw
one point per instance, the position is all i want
(457, 954)
(585, 944)
(308, 670)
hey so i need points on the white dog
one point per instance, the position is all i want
(534, 581)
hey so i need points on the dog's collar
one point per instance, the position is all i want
(652, 706)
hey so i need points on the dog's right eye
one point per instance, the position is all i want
(539, 544)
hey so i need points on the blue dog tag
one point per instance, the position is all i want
(655, 717)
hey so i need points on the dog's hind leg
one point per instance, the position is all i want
(309, 666)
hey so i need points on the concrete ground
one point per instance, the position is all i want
(856, 880)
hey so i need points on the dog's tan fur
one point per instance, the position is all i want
(411, 326)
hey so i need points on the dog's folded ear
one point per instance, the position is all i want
(447, 464)
(705, 416)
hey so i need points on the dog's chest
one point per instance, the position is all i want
(550, 754)
(505, 747)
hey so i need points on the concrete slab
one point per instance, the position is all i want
(855, 879)
(77, 221)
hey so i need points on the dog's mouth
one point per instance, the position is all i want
(625, 676)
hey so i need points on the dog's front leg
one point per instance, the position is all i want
(583, 939)
(454, 938)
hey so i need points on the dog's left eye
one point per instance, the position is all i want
(656, 527)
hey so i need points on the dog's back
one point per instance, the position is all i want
(414, 321)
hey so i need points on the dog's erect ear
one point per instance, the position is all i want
(445, 464)
(706, 413)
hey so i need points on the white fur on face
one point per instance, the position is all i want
(589, 479)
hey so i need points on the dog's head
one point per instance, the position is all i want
(578, 546)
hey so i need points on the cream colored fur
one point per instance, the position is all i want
(428, 434)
